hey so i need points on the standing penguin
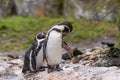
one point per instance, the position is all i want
(52, 48)
(30, 60)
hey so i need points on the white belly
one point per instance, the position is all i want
(39, 59)
(54, 48)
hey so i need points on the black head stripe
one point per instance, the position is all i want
(68, 29)
(55, 29)
(67, 24)
(40, 35)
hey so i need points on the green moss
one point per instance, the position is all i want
(18, 32)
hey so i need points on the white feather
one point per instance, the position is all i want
(38, 42)
(30, 57)
(54, 48)
(39, 58)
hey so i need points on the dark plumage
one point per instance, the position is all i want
(31, 53)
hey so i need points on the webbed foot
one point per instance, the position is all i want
(50, 70)
(40, 69)
(58, 68)
(55, 68)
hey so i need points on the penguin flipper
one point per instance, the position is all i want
(27, 61)
(67, 48)
(33, 61)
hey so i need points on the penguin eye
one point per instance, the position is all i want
(66, 29)
(40, 36)
(43, 36)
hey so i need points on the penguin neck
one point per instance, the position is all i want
(38, 42)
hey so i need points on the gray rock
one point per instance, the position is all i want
(4, 8)
(88, 9)
(12, 77)
(73, 8)
(10, 69)
(80, 72)
(17, 61)
(2, 70)
(36, 8)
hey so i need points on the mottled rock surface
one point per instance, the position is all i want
(90, 65)
(79, 72)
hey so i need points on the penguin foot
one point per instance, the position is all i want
(58, 68)
(55, 68)
(40, 69)
(24, 72)
(43, 69)
(50, 70)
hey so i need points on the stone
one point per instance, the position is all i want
(2, 70)
(88, 9)
(65, 56)
(4, 64)
(93, 57)
(91, 65)
(17, 62)
(5, 7)
(77, 59)
(36, 8)
(5, 58)
(89, 53)
(16, 70)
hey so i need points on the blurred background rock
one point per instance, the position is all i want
(90, 9)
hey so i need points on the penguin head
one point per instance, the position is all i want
(40, 35)
(64, 27)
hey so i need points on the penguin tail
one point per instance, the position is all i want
(24, 70)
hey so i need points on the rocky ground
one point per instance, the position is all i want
(96, 63)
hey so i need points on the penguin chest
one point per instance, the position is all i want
(54, 48)
(39, 59)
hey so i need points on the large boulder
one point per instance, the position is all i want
(36, 8)
(6, 7)
(90, 9)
